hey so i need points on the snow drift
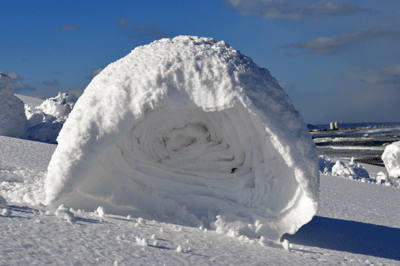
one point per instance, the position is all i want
(188, 129)
(391, 158)
(12, 116)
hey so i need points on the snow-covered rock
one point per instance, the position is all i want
(12, 114)
(46, 120)
(188, 124)
(391, 158)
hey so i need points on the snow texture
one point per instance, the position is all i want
(12, 115)
(391, 158)
(357, 224)
(188, 129)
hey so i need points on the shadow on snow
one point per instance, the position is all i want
(349, 236)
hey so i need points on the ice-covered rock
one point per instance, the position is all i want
(391, 158)
(188, 122)
(12, 114)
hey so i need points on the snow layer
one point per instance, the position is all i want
(188, 128)
(12, 115)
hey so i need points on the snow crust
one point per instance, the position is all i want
(391, 158)
(12, 116)
(188, 129)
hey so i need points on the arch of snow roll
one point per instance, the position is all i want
(192, 129)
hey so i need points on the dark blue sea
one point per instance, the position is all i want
(357, 125)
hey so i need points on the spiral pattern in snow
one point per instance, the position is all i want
(188, 128)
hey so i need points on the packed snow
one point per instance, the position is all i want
(391, 158)
(188, 129)
(12, 116)
(358, 223)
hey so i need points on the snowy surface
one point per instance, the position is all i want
(358, 223)
(391, 159)
(188, 129)
(34, 102)
(12, 116)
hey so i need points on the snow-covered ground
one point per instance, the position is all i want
(358, 223)
(34, 102)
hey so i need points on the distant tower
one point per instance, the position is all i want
(336, 125)
(332, 126)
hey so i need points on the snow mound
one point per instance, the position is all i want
(46, 120)
(12, 116)
(353, 171)
(188, 126)
(391, 159)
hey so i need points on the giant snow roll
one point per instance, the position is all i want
(188, 129)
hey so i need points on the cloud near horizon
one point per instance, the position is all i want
(293, 10)
(13, 76)
(387, 76)
(67, 27)
(140, 30)
(19, 87)
(329, 45)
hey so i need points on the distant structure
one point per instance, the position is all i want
(334, 125)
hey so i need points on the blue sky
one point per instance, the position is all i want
(339, 60)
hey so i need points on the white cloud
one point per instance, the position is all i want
(388, 75)
(19, 86)
(328, 45)
(394, 70)
(13, 76)
(293, 10)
